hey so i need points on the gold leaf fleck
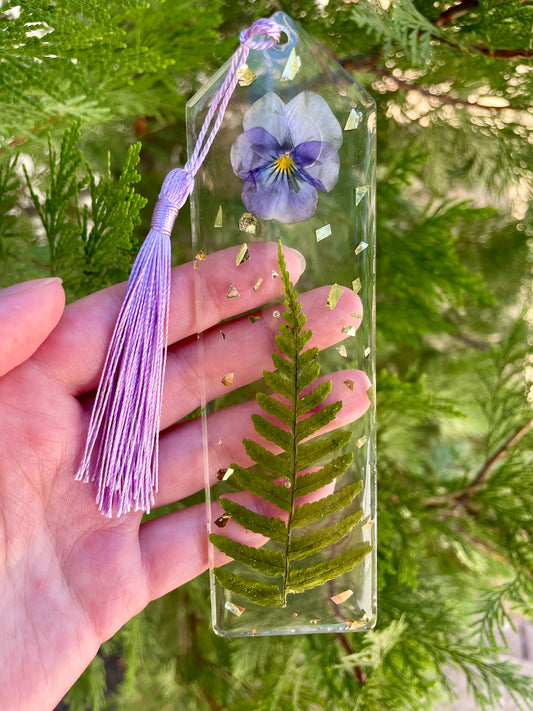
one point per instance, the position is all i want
(234, 609)
(354, 624)
(275, 275)
(361, 441)
(367, 352)
(254, 319)
(356, 285)
(233, 293)
(258, 283)
(349, 384)
(243, 255)
(349, 330)
(247, 223)
(292, 67)
(361, 247)
(276, 314)
(368, 525)
(227, 380)
(222, 334)
(221, 521)
(224, 474)
(218, 218)
(334, 295)
(245, 75)
(323, 232)
(341, 597)
(201, 256)
(314, 621)
(342, 351)
(353, 120)
(360, 193)
(356, 315)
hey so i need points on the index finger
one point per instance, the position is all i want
(75, 352)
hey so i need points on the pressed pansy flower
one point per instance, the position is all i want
(286, 154)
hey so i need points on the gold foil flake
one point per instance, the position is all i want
(221, 521)
(245, 75)
(243, 255)
(224, 474)
(334, 295)
(349, 384)
(218, 218)
(361, 441)
(275, 275)
(247, 223)
(353, 120)
(258, 284)
(323, 232)
(314, 621)
(341, 350)
(227, 380)
(294, 615)
(368, 525)
(222, 334)
(361, 247)
(360, 193)
(276, 314)
(356, 285)
(341, 597)
(233, 292)
(356, 315)
(234, 609)
(292, 67)
(254, 319)
(349, 330)
(367, 352)
(201, 256)
(354, 624)
(255, 631)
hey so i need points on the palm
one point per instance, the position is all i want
(69, 578)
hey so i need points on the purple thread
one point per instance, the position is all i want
(121, 452)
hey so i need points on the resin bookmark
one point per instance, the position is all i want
(289, 434)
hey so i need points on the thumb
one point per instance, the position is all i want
(28, 313)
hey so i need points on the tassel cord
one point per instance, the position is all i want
(121, 452)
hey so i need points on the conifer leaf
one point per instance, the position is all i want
(300, 419)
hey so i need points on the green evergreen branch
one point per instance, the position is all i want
(299, 421)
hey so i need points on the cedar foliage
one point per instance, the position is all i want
(454, 86)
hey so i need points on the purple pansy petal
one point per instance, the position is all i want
(287, 153)
(252, 150)
(275, 201)
(306, 153)
(269, 113)
(326, 168)
(310, 119)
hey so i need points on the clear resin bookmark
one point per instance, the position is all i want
(287, 190)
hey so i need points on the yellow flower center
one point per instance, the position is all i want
(284, 163)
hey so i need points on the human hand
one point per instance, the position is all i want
(69, 577)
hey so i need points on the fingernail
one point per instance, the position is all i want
(29, 285)
(301, 258)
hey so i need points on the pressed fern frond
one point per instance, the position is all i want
(280, 479)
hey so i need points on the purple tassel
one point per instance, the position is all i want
(121, 454)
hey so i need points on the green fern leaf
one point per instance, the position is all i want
(281, 479)
(310, 543)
